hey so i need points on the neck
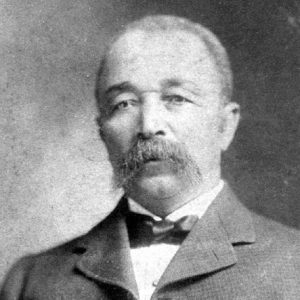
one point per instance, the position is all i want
(162, 201)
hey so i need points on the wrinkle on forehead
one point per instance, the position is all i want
(171, 50)
(159, 44)
(160, 55)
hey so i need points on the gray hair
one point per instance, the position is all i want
(160, 23)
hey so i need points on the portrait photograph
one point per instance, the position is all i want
(149, 149)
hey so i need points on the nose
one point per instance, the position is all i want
(152, 118)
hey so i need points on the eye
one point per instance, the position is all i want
(122, 105)
(176, 99)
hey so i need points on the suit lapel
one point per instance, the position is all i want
(209, 246)
(107, 253)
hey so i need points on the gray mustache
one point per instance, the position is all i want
(144, 151)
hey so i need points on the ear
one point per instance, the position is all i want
(230, 121)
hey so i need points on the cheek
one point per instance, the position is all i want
(200, 134)
(196, 126)
(118, 136)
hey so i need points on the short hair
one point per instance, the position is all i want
(167, 23)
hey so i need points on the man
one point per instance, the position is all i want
(163, 91)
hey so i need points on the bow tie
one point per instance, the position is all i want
(143, 230)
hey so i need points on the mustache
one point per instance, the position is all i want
(155, 149)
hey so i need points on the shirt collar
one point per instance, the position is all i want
(198, 206)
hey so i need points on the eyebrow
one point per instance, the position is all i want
(119, 88)
(190, 85)
(126, 86)
(173, 82)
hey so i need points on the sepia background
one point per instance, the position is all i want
(55, 177)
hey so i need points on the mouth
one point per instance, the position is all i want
(152, 160)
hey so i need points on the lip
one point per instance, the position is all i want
(153, 161)
(155, 168)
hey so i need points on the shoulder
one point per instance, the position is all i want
(57, 260)
(275, 251)
(275, 233)
(272, 261)
(14, 280)
(52, 261)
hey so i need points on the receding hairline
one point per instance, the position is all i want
(168, 23)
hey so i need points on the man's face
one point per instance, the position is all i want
(163, 86)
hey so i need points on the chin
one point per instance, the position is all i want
(162, 186)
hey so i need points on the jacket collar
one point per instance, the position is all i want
(208, 247)
(106, 253)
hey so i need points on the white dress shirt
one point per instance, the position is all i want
(150, 262)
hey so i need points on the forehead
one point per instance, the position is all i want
(143, 58)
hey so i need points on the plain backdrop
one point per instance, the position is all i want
(55, 177)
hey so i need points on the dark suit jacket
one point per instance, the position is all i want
(229, 254)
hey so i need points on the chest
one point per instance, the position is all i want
(231, 283)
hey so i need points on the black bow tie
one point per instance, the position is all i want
(143, 230)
